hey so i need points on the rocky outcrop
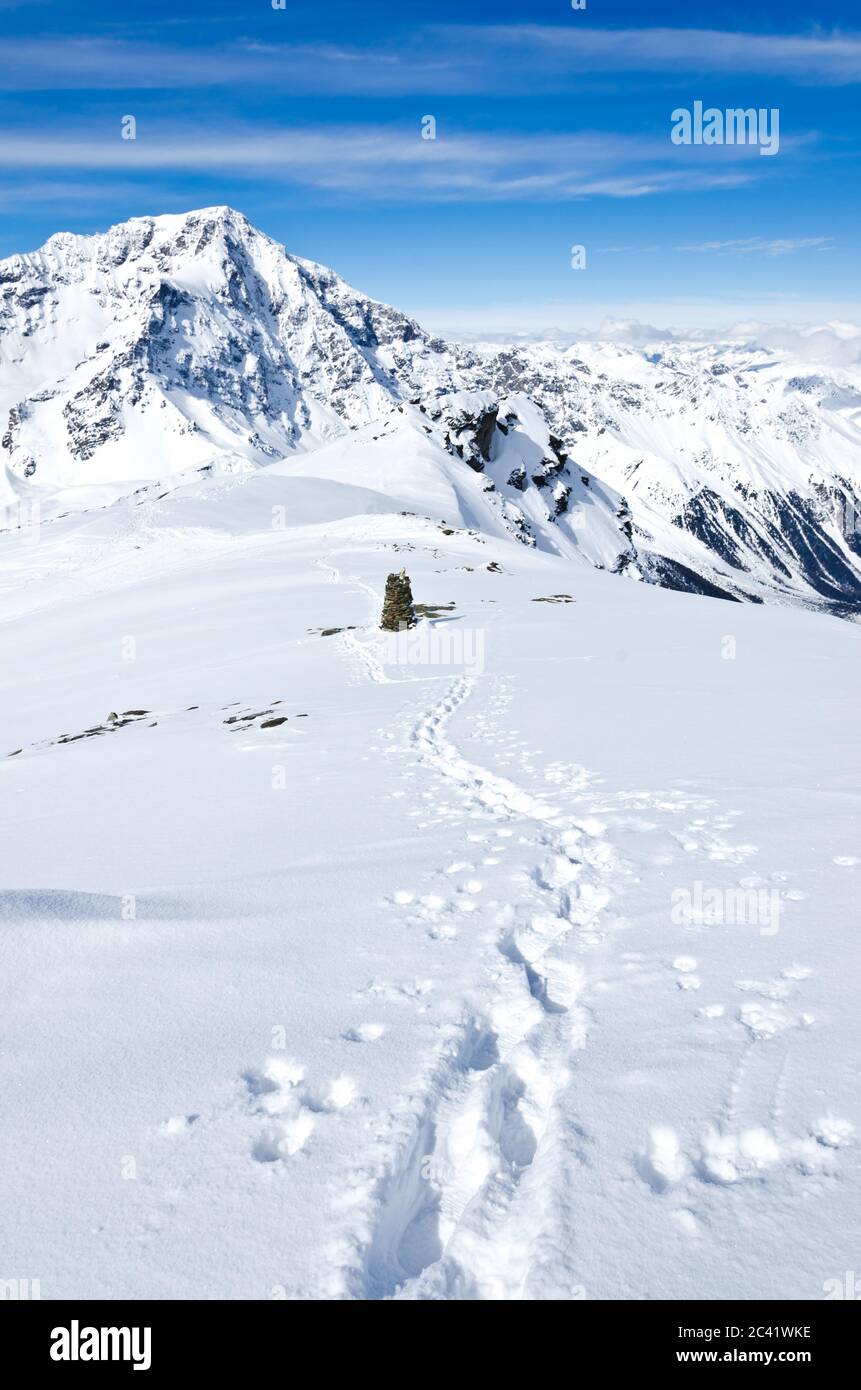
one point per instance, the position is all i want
(398, 610)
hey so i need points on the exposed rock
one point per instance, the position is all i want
(398, 610)
(561, 495)
(433, 610)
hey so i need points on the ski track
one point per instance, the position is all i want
(472, 1188)
(479, 1196)
(474, 1201)
(474, 1193)
(362, 656)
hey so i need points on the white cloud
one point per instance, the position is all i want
(809, 330)
(834, 344)
(833, 58)
(441, 59)
(738, 246)
(777, 246)
(393, 163)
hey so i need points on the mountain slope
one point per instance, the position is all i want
(736, 462)
(338, 967)
(180, 343)
(170, 339)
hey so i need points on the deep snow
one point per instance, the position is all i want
(394, 999)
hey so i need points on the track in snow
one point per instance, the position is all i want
(477, 1187)
(478, 1201)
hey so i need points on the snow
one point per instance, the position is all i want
(390, 1000)
(195, 341)
(511, 957)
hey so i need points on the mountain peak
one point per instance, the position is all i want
(180, 231)
(171, 342)
(220, 216)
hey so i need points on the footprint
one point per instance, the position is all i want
(796, 972)
(846, 861)
(283, 1095)
(557, 872)
(763, 1020)
(833, 1132)
(563, 982)
(687, 979)
(365, 1032)
(663, 1164)
(592, 826)
(178, 1124)
(727, 1158)
(340, 1093)
(687, 1222)
(286, 1140)
(432, 902)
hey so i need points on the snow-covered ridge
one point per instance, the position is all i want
(508, 957)
(194, 341)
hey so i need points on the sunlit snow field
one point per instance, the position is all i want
(399, 997)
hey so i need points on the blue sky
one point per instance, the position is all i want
(552, 130)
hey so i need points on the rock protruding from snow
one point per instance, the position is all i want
(398, 610)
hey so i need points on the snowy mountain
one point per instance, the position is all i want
(174, 345)
(509, 957)
(742, 468)
(516, 960)
(190, 343)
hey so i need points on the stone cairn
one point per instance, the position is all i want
(398, 610)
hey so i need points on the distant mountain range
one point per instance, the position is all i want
(170, 346)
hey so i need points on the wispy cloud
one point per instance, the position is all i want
(806, 58)
(60, 192)
(740, 246)
(435, 60)
(778, 246)
(395, 163)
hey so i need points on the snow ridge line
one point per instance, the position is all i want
(477, 1203)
